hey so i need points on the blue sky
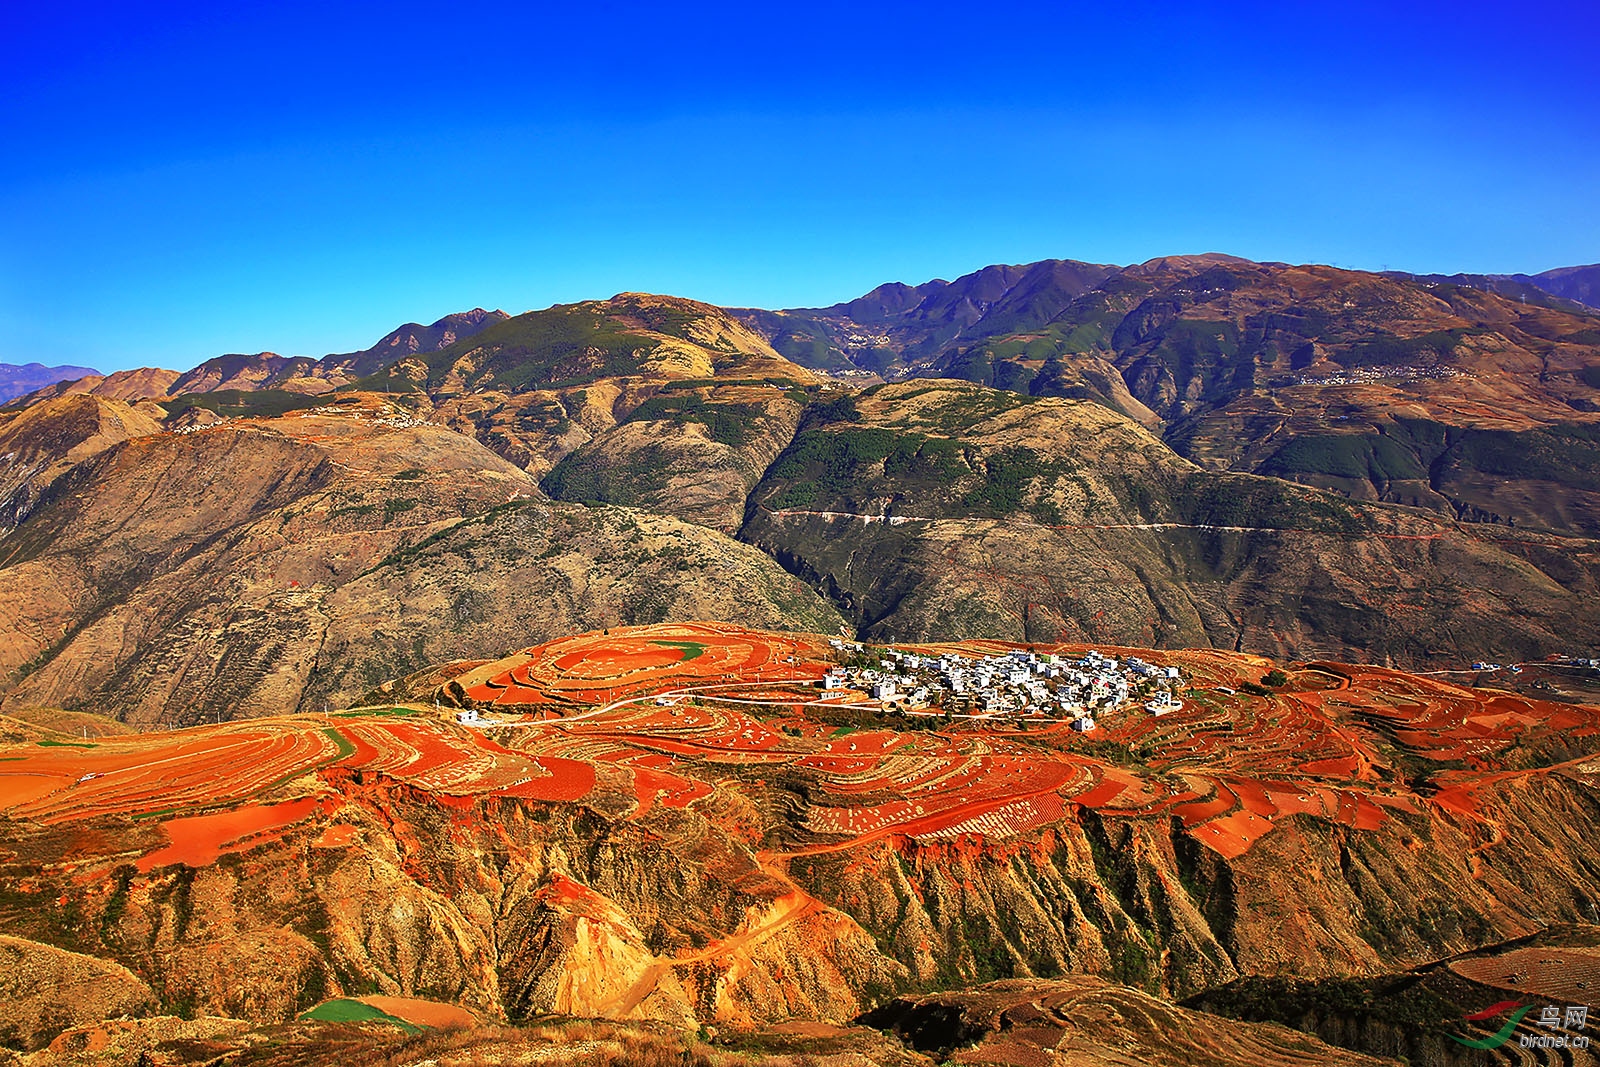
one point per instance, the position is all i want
(185, 180)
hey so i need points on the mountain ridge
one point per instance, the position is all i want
(21, 379)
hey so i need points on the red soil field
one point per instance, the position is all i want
(200, 839)
(658, 713)
(430, 1013)
(1568, 974)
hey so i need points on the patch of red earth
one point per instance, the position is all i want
(563, 780)
(198, 840)
(1254, 797)
(1232, 835)
(674, 792)
(1201, 810)
(18, 789)
(1341, 767)
(1309, 800)
(1100, 795)
(429, 1013)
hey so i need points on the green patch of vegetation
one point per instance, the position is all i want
(51, 743)
(1394, 1000)
(395, 505)
(835, 463)
(354, 1011)
(711, 383)
(1007, 476)
(589, 477)
(410, 474)
(691, 649)
(1275, 678)
(839, 409)
(1569, 454)
(1264, 503)
(1190, 344)
(259, 403)
(727, 424)
(1376, 457)
(404, 713)
(1379, 351)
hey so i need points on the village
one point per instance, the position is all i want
(1016, 685)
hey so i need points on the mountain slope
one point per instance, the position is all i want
(167, 577)
(898, 328)
(141, 383)
(302, 374)
(18, 381)
(929, 508)
(1382, 387)
(1573, 283)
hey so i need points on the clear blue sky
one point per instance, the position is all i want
(179, 181)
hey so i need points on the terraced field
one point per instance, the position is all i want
(656, 715)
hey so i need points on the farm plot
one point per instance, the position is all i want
(666, 711)
(641, 661)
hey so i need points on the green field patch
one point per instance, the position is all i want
(65, 744)
(841, 731)
(354, 1011)
(363, 713)
(262, 403)
(691, 649)
(346, 749)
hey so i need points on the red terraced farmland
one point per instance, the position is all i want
(200, 839)
(1247, 762)
(641, 661)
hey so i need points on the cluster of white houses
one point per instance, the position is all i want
(1018, 683)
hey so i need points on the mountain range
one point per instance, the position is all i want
(1195, 451)
(474, 698)
(18, 381)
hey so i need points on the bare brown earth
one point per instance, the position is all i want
(45, 990)
(143, 383)
(1034, 1023)
(1011, 1024)
(44, 441)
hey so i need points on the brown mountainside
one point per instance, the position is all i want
(1428, 392)
(302, 374)
(189, 575)
(255, 550)
(931, 508)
